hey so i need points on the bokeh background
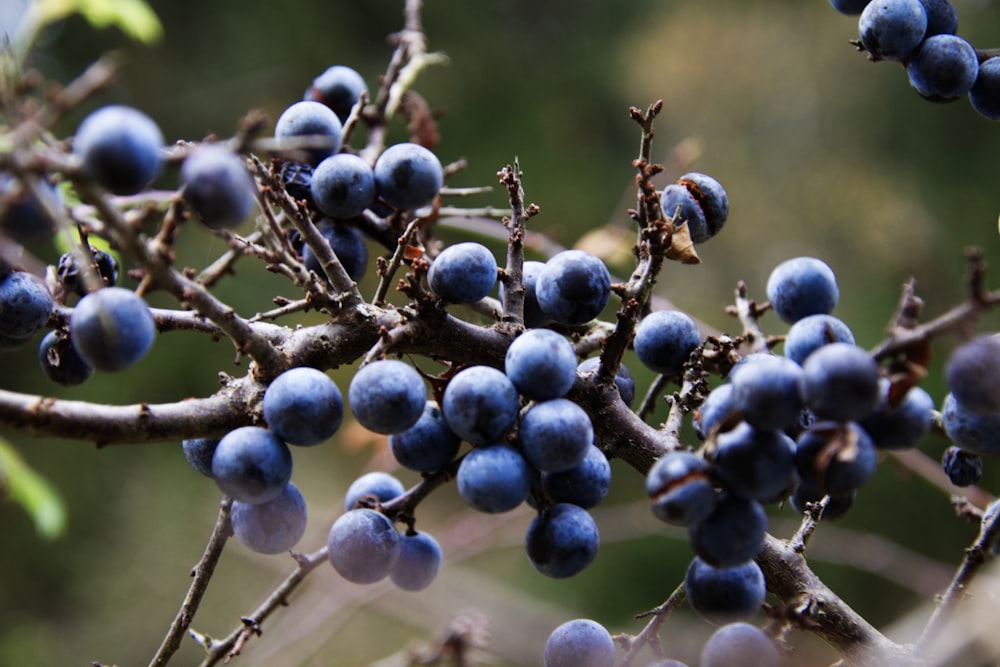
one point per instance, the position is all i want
(822, 153)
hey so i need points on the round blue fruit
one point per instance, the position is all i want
(665, 339)
(835, 458)
(418, 563)
(60, 361)
(892, 29)
(217, 187)
(555, 435)
(120, 147)
(573, 288)
(724, 595)
(985, 93)
(463, 273)
(428, 445)
(769, 392)
(963, 468)
(732, 534)
(303, 406)
(699, 201)
(25, 305)
(623, 378)
(812, 332)
(373, 486)
(715, 411)
(271, 527)
(408, 176)
(740, 644)
(251, 464)
(973, 374)
(480, 404)
(542, 364)
(756, 463)
(681, 489)
(313, 121)
(562, 540)
(580, 643)
(841, 382)
(943, 68)
(836, 507)
(103, 263)
(198, 452)
(387, 396)
(900, 423)
(973, 432)
(494, 479)
(802, 286)
(347, 244)
(533, 315)
(584, 485)
(942, 17)
(112, 328)
(338, 87)
(343, 186)
(363, 546)
(850, 7)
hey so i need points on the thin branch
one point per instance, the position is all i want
(513, 295)
(648, 635)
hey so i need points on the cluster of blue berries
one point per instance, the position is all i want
(921, 35)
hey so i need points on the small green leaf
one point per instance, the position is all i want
(133, 17)
(33, 492)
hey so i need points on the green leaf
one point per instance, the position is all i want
(33, 492)
(133, 17)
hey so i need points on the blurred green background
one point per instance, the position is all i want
(821, 152)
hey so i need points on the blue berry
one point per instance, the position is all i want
(718, 406)
(942, 17)
(973, 374)
(375, 485)
(463, 273)
(387, 396)
(25, 305)
(985, 93)
(555, 435)
(312, 120)
(573, 288)
(976, 433)
(303, 406)
(680, 488)
(68, 271)
(943, 68)
(60, 361)
(623, 378)
(363, 546)
(494, 479)
(739, 645)
(902, 425)
(480, 404)
(802, 286)
(297, 179)
(580, 643)
(841, 382)
(343, 186)
(541, 363)
(112, 328)
(850, 7)
(418, 563)
(23, 218)
(835, 458)
(428, 445)
(724, 595)
(198, 452)
(217, 187)
(533, 315)
(251, 464)
(347, 244)
(665, 339)
(562, 540)
(120, 148)
(963, 468)
(813, 332)
(699, 201)
(338, 87)
(584, 485)
(836, 507)
(273, 526)
(732, 534)
(892, 28)
(408, 176)
(769, 392)
(756, 463)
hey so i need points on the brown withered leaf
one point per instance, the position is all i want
(682, 247)
(422, 125)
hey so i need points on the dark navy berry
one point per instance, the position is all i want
(942, 17)
(573, 288)
(343, 186)
(562, 540)
(680, 488)
(387, 396)
(428, 445)
(756, 463)
(313, 121)
(542, 364)
(198, 452)
(112, 328)
(732, 534)
(120, 148)
(494, 479)
(623, 378)
(580, 643)
(303, 406)
(700, 202)
(480, 404)
(103, 264)
(841, 382)
(769, 392)
(835, 458)
(739, 645)
(901, 425)
(976, 433)
(25, 305)
(418, 563)
(665, 339)
(363, 546)
(555, 435)
(835, 508)
(533, 315)
(724, 595)
(23, 217)
(251, 465)
(963, 468)
(60, 361)
(802, 286)
(717, 408)
(850, 7)
(347, 244)
(373, 486)
(813, 332)
(985, 93)
(973, 374)
(463, 273)
(892, 28)
(273, 526)
(584, 485)
(408, 176)
(338, 87)
(943, 68)
(217, 187)
(297, 179)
